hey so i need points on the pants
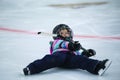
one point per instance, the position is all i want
(63, 60)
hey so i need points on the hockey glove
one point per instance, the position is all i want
(89, 53)
(74, 46)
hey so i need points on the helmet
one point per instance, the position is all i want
(59, 27)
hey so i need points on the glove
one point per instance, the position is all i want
(39, 33)
(74, 46)
(89, 53)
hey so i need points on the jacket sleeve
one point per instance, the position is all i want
(64, 45)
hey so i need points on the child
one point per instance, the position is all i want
(65, 54)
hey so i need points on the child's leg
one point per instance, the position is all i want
(47, 62)
(81, 62)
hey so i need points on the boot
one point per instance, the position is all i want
(101, 67)
(26, 71)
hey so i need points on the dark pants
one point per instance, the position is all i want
(63, 60)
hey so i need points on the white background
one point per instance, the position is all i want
(17, 50)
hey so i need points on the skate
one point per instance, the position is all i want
(26, 71)
(102, 66)
(106, 66)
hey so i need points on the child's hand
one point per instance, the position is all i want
(89, 53)
(77, 45)
(74, 46)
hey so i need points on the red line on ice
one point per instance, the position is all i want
(18, 31)
(77, 36)
(98, 37)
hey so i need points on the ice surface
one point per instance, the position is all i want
(17, 50)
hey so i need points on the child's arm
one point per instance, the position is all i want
(74, 46)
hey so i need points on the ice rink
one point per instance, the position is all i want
(19, 46)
